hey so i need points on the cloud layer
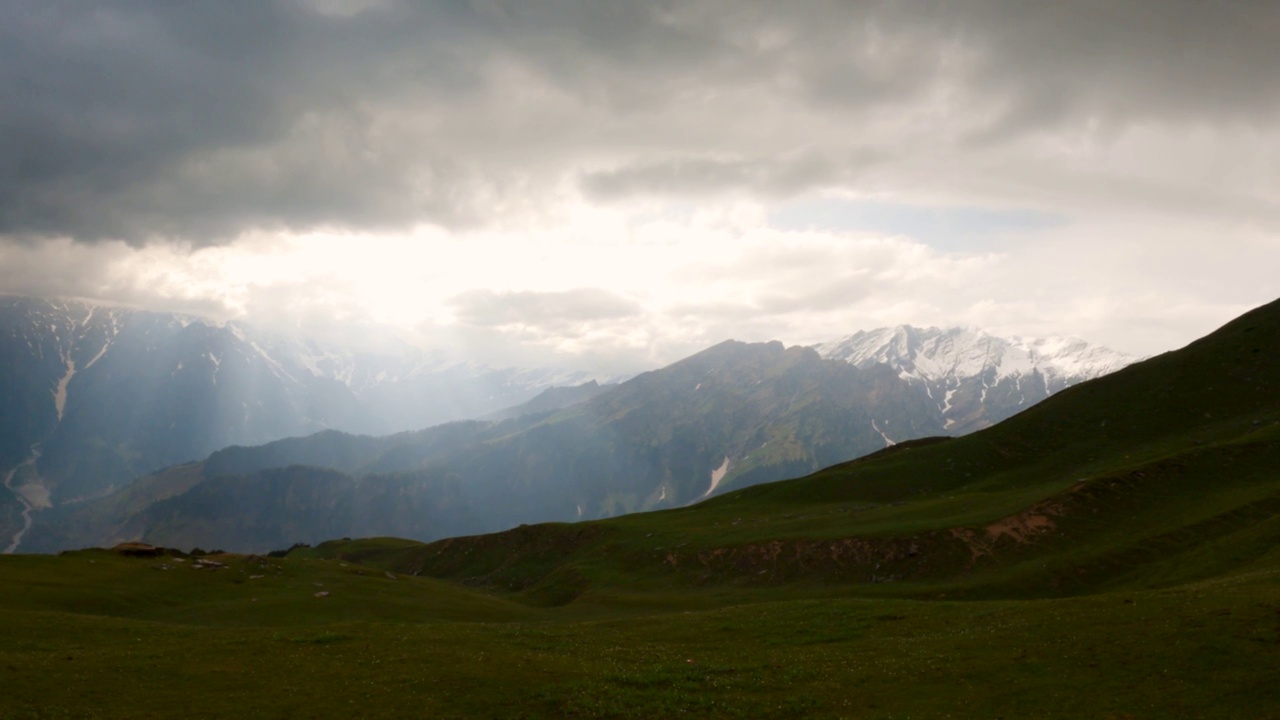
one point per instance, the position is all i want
(605, 177)
(200, 121)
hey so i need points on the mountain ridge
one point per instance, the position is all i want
(960, 367)
(733, 415)
(1162, 473)
(121, 394)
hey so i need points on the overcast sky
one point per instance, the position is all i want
(615, 184)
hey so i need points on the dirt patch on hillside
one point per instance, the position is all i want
(874, 559)
(1020, 529)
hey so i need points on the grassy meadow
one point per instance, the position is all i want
(104, 636)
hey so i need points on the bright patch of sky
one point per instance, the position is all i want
(946, 228)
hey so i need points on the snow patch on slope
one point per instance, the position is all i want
(888, 441)
(60, 393)
(716, 476)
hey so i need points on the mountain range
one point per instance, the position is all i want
(734, 415)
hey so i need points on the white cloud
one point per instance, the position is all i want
(655, 285)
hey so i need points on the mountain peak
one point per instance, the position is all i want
(973, 377)
(936, 354)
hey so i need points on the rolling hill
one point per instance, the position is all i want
(1163, 472)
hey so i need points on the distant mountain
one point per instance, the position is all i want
(95, 397)
(976, 379)
(554, 398)
(141, 390)
(733, 415)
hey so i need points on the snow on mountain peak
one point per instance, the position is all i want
(936, 355)
(975, 378)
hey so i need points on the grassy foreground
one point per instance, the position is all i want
(102, 636)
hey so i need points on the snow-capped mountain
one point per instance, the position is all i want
(975, 378)
(96, 396)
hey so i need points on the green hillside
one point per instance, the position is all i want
(1113, 552)
(1161, 473)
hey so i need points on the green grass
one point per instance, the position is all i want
(1197, 650)
(248, 591)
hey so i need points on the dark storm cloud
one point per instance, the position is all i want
(542, 309)
(985, 72)
(1118, 62)
(139, 120)
(134, 119)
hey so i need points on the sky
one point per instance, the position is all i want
(615, 185)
